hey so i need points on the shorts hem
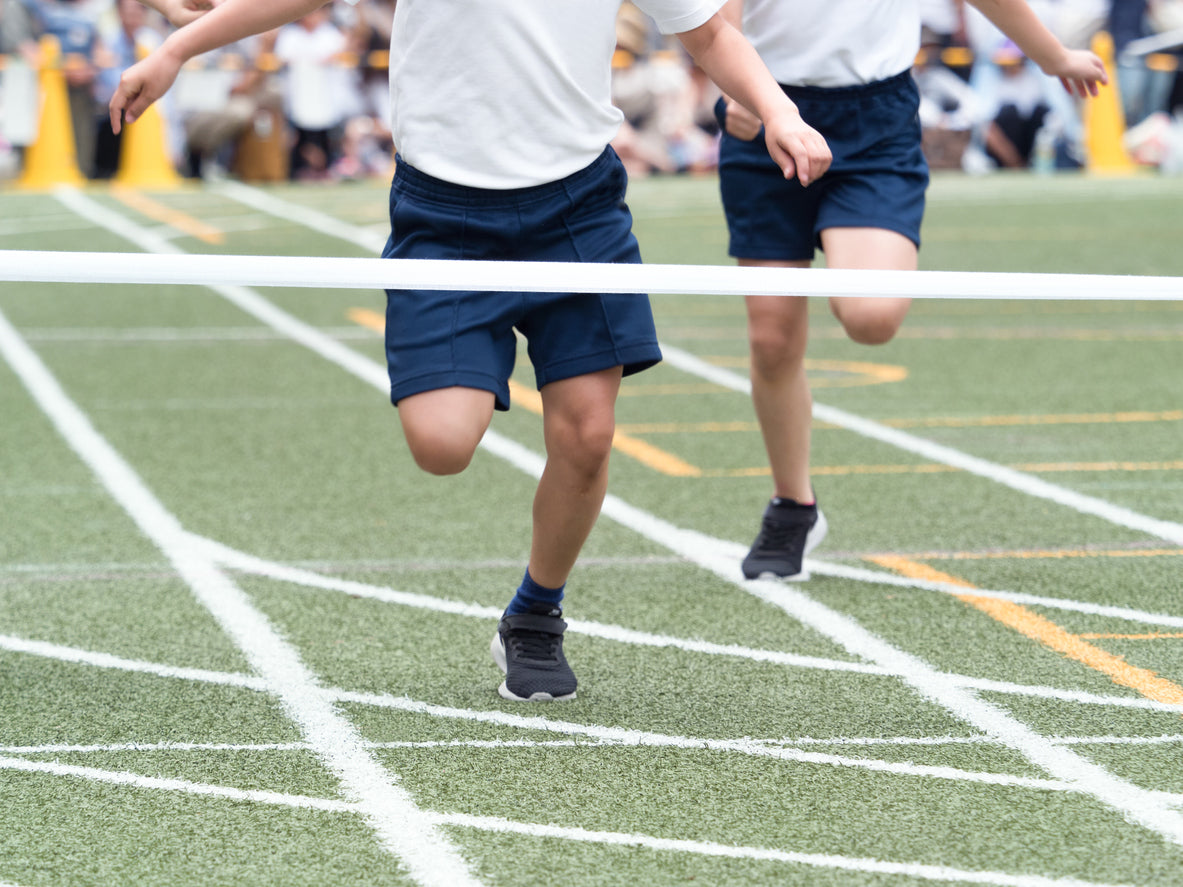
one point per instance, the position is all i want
(452, 379)
(633, 359)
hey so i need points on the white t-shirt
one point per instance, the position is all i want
(511, 93)
(833, 42)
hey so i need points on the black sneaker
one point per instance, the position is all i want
(788, 532)
(529, 649)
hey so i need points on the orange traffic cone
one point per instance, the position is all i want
(1104, 122)
(51, 159)
(143, 153)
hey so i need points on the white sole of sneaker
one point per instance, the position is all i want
(497, 650)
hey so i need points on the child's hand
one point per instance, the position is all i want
(1081, 72)
(797, 147)
(741, 122)
(141, 85)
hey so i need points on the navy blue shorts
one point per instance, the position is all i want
(439, 339)
(877, 178)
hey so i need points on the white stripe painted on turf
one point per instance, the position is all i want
(585, 742)
(134, 780)
(239, 560)
(776, 749)
(1136, 804)
(881, 577)
(366, 238)
(568, 833)
(419, 845)
(1009, 477)
(818, 860)
(106, 660)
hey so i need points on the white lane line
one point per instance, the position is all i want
(367, 238)
(1136, 804)
(540, 830)
(787, 741)
(775, 750)
(134, 780)
(417, 843)
(248, 563)
(106, 660)
(1016, 480)
(239, 560)
(817, 860)
(1129, 614)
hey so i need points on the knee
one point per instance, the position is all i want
(437, 453)
(584, 443)
(776, 348)
(872, 321)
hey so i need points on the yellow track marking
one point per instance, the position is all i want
(1064, 419)
(859, 372)
(1153, 636)
(1046, 632)
(633, 389)
(166, 215)
(1101, 466)
(937, 468)
(689, 427)
(935, 422)
(1044, 554)
(645, 453)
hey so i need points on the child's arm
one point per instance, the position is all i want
(181, 12)
(728, 59)
(232, 20)
(1080, 71)
(741, 122)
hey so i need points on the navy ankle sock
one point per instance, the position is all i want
(530, 593)
(779, 502)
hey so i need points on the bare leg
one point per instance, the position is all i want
(579, 420)
(869, 321)
(443, 427)
(778, 328)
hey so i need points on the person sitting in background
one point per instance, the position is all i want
(218, 102)
(1016, 110)
(662, 101)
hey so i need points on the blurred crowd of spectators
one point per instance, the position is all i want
(308, 101)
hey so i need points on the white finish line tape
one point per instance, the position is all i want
(432, 274)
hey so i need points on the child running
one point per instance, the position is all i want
(502, 117)
(846, 64)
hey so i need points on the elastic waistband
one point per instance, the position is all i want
(875, 87)
(417, 183)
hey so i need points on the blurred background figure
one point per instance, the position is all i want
(74, 23)
(366, 147)
(669, 124)
(1015, 111)
(319, 92)
(231, 98)
(18, 85)
(117, 50)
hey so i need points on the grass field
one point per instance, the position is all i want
(244, 641)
